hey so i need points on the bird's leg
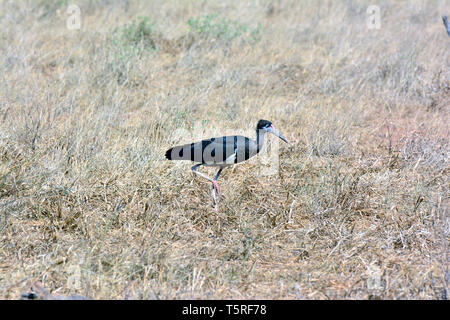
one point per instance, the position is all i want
(215, 187)
(194, 169)
(214, 183)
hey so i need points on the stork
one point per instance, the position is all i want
(222, 152)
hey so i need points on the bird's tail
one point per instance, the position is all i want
(169, 154)
(180, 153)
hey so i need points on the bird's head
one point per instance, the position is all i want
(267, 126)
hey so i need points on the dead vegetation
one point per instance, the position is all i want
(357, 210)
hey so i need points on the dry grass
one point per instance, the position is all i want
(358, 210)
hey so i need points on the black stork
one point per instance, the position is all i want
(223, 152)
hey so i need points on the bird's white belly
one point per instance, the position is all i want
(228, 162)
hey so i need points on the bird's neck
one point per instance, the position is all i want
(260, 135)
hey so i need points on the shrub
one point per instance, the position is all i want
(210, 26)
(133, 38)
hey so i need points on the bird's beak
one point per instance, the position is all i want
(272, 129)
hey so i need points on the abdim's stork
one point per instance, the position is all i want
(222, 152)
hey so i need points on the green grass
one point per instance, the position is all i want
(211, 26)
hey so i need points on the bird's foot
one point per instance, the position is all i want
(215, 187)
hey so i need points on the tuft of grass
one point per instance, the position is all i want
(211, 26)
(134, 38)
(138, 32)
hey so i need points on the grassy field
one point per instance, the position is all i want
(358, 208)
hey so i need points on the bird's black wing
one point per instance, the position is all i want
(214, 150)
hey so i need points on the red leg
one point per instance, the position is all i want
(216, 187)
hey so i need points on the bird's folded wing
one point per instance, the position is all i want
(215, 150)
